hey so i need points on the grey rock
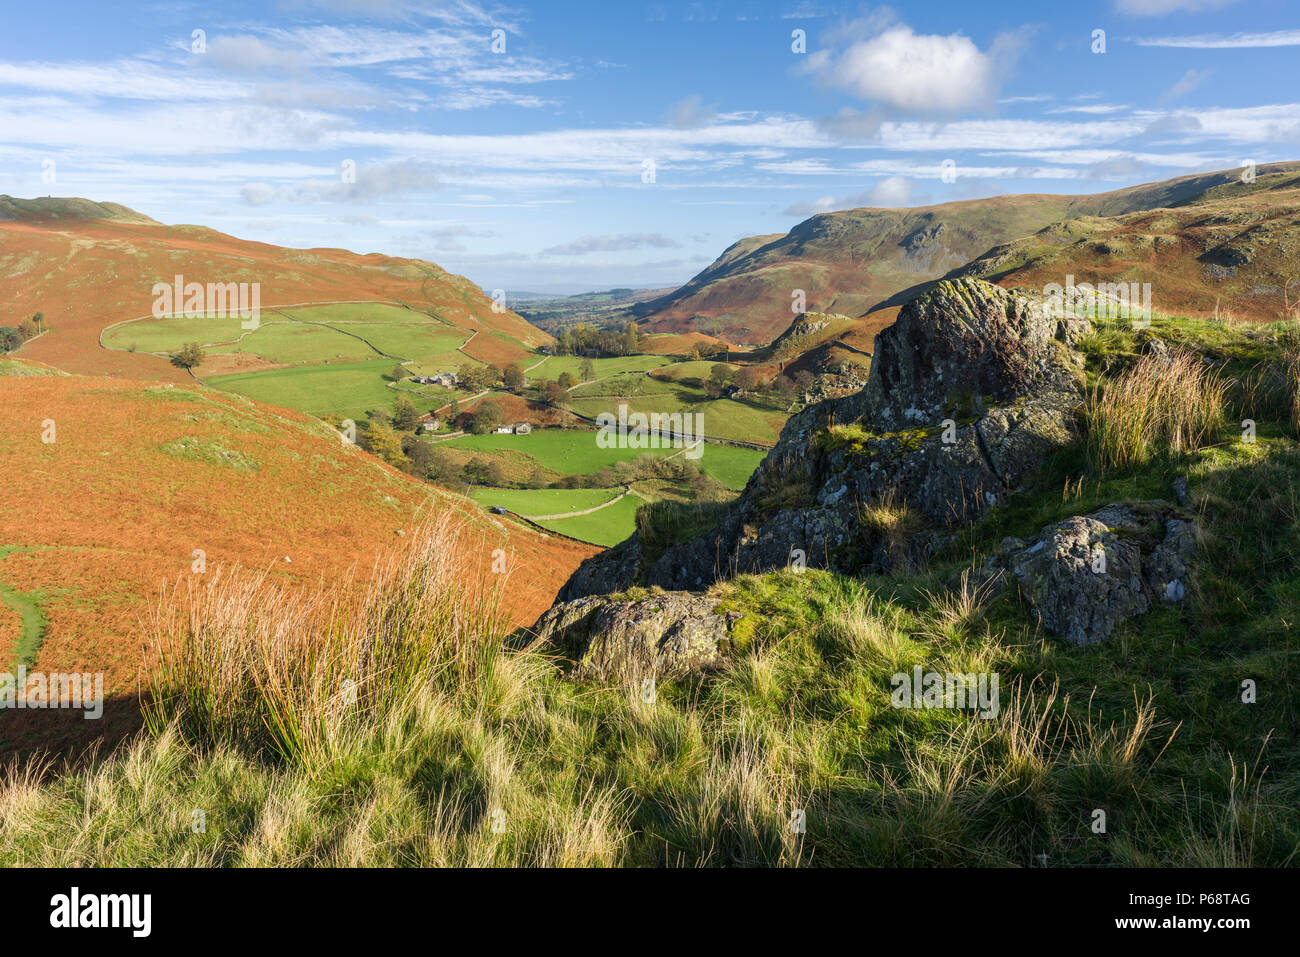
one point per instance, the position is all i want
(669, 634)
(1086, 574)
(969, 390)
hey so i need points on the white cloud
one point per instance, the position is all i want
(1188, 82)
(909, 71)
(891, 192)
(617, 243)
(1235, 41)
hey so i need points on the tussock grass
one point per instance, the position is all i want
(458, 752)
(1271, 390)
(1162, 405)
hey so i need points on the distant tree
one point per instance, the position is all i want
(720, 377)
(512, 377)
(486, 418)
(631, 339)
(556, 394)
(39, 319)
(27, 329)
(746, 378)
(406, 417)
(398, 373)
(588, 370)
(476, 378)
(189, 356)
(480, 471)
(381, 440)
(439, 467)
(9, 339)
(783, 387)
(566, 380)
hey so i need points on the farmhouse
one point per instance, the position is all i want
(519, 428)
(430, 422)
(445, 379)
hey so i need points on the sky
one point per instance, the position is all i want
(559, 147)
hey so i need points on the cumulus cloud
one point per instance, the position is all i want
(615, 243)
(905, 70)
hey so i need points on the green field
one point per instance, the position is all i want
(359, 312)
(607, 527)
(554, 365)
(728, 464)
(347, 389)
(569, 451)
(340, 356)
(696, 369)
(169, 334)
(412, 341)
(529, 502)
(723, 418)
(304, 335)
(574, 452)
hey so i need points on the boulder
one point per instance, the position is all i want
(1084, 575)
(969, 390)
(629, 640)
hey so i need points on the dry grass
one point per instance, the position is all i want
(1162, 405)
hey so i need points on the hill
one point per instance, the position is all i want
(89, 265)
(1229, 252)
(854, 261)
(138, 476)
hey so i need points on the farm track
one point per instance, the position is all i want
(586, 511)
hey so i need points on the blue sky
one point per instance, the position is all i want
(621, 143)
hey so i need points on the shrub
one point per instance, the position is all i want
(189, 356)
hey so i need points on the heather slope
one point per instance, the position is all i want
(88, 265)
(141, 481)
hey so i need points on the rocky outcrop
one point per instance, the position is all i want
(969, 390)
(664, 635)
(1086, 574)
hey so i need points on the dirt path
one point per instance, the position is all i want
(586, 511)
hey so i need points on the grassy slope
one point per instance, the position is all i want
(489, 757)
(851, 261)
(1180, 252)
(57, 256)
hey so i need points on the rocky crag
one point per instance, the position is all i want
(969, 391)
